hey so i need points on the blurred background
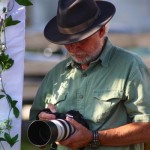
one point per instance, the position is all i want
(130, 28)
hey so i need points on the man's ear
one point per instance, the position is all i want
(102, 31)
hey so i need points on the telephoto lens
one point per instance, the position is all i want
(40, 133)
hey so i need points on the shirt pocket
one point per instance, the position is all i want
(103, 103)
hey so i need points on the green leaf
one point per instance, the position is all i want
(9, 99)
(5, 61)
(10, 22)
(11, 140)
(15, 109)
(7, 137)
(13, 103)
(15, 138)
(13, 106)
(24, 2)
(16, 112)
(2, 139)
(1, 96)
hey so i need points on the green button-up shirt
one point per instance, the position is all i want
(112, 92)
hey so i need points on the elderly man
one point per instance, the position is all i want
(106, 84)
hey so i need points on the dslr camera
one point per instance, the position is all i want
(40, 133)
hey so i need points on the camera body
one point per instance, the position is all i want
(40, 133)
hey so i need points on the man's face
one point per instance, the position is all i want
(85, 51)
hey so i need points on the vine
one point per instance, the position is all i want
(6, 63)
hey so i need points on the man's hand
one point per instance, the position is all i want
(81, 138)
(46, 116)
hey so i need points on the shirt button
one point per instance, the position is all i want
(81, 96)
(84, 75)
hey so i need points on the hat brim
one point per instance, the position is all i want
(52, 34)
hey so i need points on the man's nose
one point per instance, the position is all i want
(74, 47)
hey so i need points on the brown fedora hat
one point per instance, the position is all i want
(77, 20)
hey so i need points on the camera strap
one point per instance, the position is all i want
(53, 146)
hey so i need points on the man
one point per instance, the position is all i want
(106, 84)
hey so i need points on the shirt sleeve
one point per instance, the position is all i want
(138, 93)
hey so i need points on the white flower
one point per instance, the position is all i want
(3, 4)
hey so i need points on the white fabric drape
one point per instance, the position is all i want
(13, 78)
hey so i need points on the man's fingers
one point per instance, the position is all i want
(73, 122)
(46, 116)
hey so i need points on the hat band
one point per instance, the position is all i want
(80, 27)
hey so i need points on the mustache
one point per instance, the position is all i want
(77, 54)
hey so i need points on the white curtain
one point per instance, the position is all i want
(14, 77)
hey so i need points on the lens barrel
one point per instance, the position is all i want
(40, 133)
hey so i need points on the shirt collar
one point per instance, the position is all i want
(106, 53)
(104, 58)
(72, 64)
